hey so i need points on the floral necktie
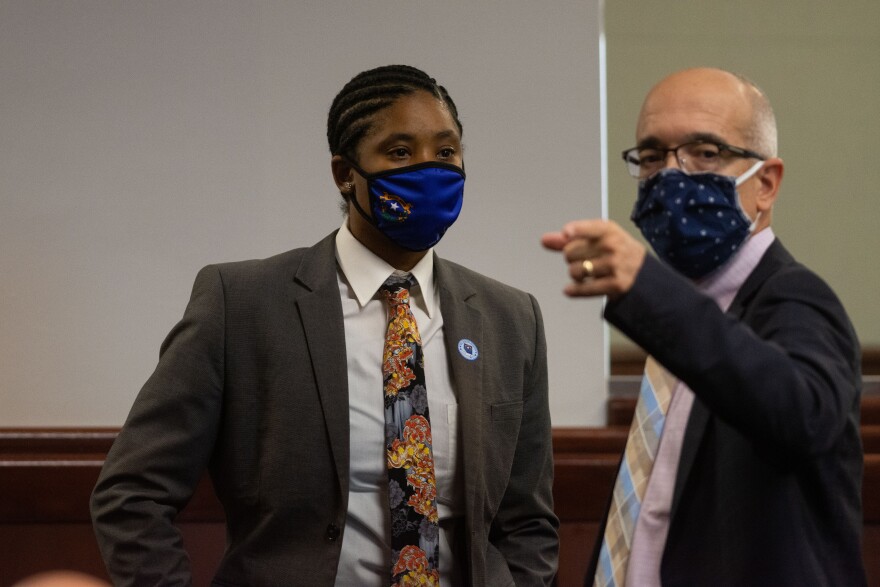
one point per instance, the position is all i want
(412, 489)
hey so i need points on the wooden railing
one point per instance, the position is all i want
(46, 476)
(586, 462)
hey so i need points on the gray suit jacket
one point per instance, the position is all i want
(252, 383)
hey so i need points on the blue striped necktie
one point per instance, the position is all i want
(635, 470)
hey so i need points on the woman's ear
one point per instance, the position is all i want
(343, 175)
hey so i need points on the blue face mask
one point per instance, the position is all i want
(414, 205)
(694, 222)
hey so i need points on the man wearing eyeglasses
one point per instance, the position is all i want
(744, 463)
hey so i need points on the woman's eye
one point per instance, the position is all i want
(446, 153)
(399, 152)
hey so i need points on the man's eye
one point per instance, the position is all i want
(649, 157)
(446, 153)
(707, 154)
(399, 152)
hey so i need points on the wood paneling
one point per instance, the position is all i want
(631, 361)
(623, 393)
(46, 477)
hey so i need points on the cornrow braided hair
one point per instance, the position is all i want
(352, 111)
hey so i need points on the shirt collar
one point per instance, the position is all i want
(722, 285)
(366, 272)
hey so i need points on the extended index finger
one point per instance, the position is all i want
(591, 228)
(554, 240)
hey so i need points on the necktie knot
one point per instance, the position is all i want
(396, 289)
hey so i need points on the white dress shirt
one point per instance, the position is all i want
(366, 545)
(652, 525)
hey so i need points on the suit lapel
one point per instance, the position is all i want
(320, 310)
(463, 321)
(773, 259)
(693, 435)
(775, 256)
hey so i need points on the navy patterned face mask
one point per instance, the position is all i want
(414, 205)
(693, 222)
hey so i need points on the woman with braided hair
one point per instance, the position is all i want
(370, 414)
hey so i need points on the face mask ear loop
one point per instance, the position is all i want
(748, 174)
(353, 196)
(754, 223)
(357, 206)
(739, 181)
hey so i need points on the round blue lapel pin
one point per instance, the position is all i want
(468, 349)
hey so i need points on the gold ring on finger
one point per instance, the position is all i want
(588, 268)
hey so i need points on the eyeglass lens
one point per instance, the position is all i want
(692, 158)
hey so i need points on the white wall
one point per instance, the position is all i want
(140, 141)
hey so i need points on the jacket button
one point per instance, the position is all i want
(332, 532)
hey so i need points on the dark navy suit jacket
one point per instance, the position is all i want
(768, 490)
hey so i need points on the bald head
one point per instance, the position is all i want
(706, 105)
(720, 96)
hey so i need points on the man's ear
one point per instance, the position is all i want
(769, 178)
(343, 175)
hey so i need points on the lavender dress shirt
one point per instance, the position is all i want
(652, 526)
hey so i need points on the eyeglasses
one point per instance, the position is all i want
(693, 157)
